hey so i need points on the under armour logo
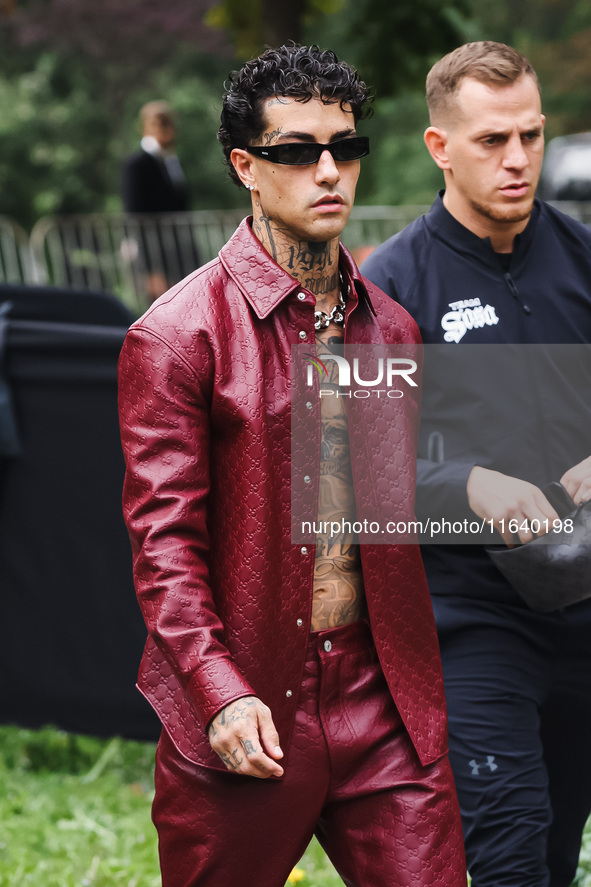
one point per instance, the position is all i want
(490, 763)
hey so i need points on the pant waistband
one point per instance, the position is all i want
(343, 639)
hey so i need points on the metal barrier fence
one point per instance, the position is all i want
(118, 253)
(17, 264)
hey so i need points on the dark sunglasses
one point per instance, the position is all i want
(302, 153)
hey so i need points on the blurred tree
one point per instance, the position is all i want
(258, 23)
(72, 80)
(53, 131)
(394, 44)
(63, 140)
(390, 42)
(74, 73)
(399, 169)
(556, 36)
(120, 44)
(124, 35)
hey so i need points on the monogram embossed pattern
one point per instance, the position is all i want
(205, 413)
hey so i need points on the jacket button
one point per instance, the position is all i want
(309, 405)
(302, 334)
(307, 479)
(289, 694)
(301, 296)
(299, 623)
(304, 549)
(327, 646)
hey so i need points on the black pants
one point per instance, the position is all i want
(518, 688)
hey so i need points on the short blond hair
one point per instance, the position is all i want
(485, 61)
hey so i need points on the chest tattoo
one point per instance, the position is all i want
(338, 585)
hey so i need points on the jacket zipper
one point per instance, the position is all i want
(533, 387)
(515, 292)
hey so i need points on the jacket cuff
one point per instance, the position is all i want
(457, 478)
(442, 489)
(214, 686)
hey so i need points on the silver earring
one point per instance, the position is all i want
(250, 187)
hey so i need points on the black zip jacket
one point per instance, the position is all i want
(495, 412)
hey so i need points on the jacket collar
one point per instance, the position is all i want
(264, 283)
(442, 223)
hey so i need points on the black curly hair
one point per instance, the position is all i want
(302, 72)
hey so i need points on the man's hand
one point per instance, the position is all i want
(577, 481)
(501, 498)
(244, 736)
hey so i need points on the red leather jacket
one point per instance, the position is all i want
(205, 421)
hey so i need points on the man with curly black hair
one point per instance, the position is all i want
(299, 685)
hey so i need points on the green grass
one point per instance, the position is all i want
(75, 812)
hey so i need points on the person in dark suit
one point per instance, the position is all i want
(153, 182)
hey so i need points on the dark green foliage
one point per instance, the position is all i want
(395, 43)
(73, 75)
(55, 132)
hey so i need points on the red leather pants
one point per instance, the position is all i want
(351, 777)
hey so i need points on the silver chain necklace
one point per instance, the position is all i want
(337, 315)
